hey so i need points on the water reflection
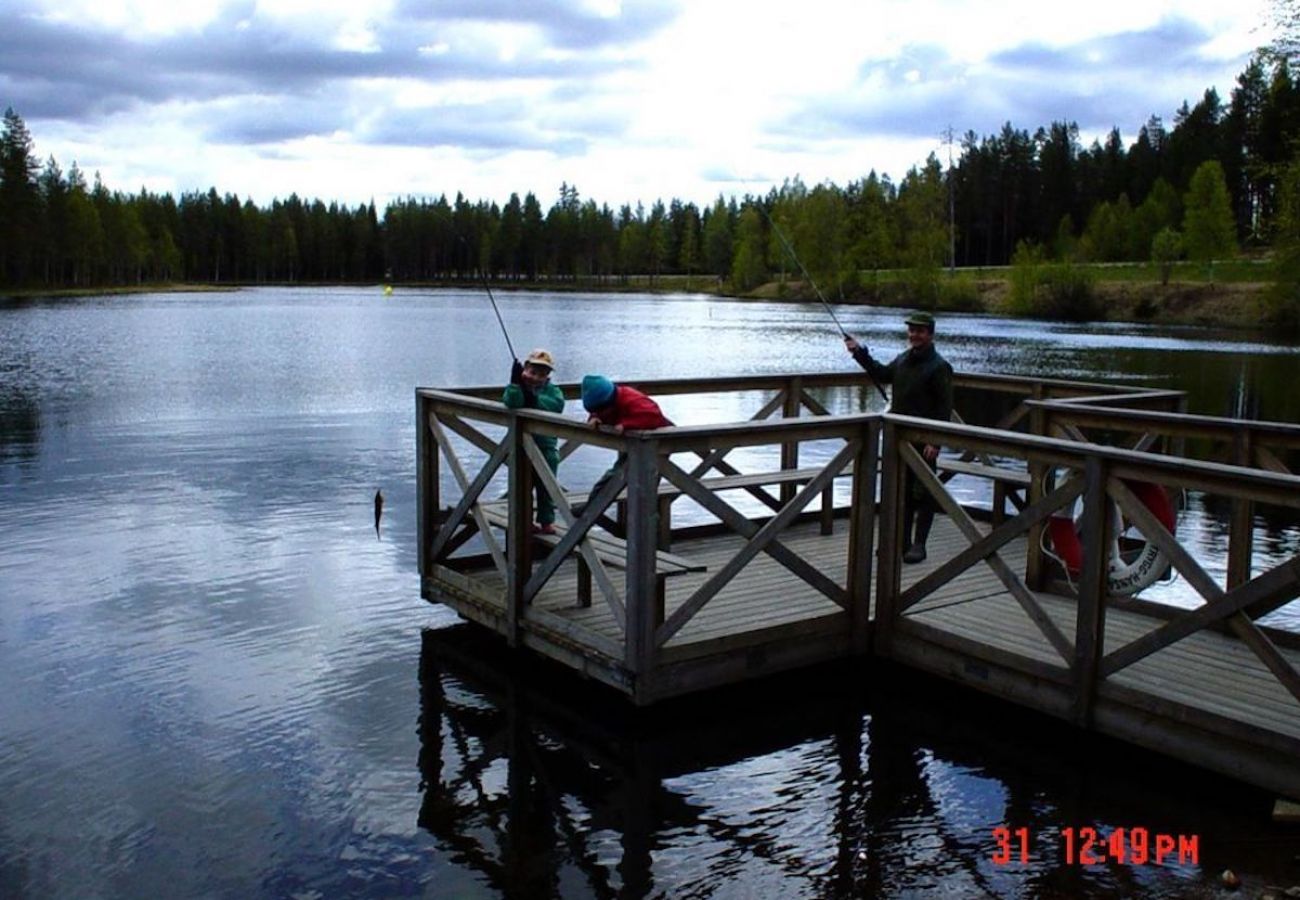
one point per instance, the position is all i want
(209, 663)
(844, 781)
(20, 429)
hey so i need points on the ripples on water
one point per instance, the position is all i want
(838, 781)
(217, 682)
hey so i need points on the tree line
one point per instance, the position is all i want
(1209, 184)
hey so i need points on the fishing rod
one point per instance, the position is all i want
(776, 229)
(790, 250)
(493, 300)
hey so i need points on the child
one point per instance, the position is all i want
(530, 388)
(619, 407)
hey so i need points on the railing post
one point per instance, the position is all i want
(427, 494)
(862, 521)
(519, 540)
(1090, 624)
(1241, 530)
(1037, 416)
(644, 613)
(1035, 564)
(790, 451)
(889, 549)
(1178, 446)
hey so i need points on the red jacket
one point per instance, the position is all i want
(633, 410)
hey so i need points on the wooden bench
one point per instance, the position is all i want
(752, 482)
(1007, 483)
(610, 550)
(777, 478)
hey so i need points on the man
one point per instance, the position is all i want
(922, 381)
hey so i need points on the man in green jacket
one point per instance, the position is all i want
(530, 388)
(922, 381)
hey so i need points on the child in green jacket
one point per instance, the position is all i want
(530, 388)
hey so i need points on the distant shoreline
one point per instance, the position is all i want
(18, 294)
(1229, 304)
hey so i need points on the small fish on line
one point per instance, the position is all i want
(379, 510)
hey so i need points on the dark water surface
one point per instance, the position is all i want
(216, 682)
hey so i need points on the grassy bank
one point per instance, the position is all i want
(1229, 295)
(114, 290)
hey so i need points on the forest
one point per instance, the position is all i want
(1210, 185)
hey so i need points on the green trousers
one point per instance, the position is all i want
(545, 505)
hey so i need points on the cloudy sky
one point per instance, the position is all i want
(353, 100)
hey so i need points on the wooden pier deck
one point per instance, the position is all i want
(756, 595)
(766, 608)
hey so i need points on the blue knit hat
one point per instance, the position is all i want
(597, 391)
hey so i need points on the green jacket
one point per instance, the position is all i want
(549, 399)
(922, 382)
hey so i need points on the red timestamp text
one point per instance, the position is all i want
(1089, 846)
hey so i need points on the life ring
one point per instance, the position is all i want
(1125, 577)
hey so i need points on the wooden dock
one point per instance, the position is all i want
(656, 611)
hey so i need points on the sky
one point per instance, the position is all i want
(627, 100)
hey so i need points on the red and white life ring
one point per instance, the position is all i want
(1126, 577)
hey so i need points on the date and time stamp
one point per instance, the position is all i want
(1090, 846)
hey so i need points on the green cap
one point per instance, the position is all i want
(920, 318)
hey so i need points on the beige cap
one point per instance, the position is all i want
(541, 358)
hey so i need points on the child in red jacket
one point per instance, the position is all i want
(618, 407)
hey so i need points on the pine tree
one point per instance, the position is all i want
(52, 248)
(1283, 301)
(658, 239)
(20, 201)
(748, 270)
(1243, 123)
(821, 238)
(717, 239)
(688, 256)
(633, 242)
(85, 235)
(510, 237)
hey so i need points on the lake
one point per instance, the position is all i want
(217, 681)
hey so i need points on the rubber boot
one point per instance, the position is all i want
(909, 516)
(916, 552)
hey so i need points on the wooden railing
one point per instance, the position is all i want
(1100, 476)
(790, 394)
(859, 436)
(802, 394)
(470, 436)
(651, 474)
(1248, 443)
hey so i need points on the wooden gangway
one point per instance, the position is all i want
(795, 559)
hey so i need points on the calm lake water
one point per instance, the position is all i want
(215, 681)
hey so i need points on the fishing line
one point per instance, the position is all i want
(776, 229)
(493, 300)
(794, 256)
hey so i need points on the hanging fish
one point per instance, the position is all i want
(379, 511)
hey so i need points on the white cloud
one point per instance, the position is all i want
(633, 100)
(146, 18)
